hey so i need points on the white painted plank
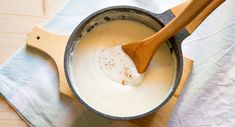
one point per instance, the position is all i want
(22, 7)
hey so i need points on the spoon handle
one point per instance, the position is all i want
(186, 16)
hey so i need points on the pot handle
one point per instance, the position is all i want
(198, 20)
(54, 46)
(167, 16)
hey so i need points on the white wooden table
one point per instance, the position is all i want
(17, 18)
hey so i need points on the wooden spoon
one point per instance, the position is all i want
(141, 52)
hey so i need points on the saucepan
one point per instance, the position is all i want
(152, 20)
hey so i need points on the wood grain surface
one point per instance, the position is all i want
(41, 39)
(17, 18)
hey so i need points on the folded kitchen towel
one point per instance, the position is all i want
(208, 99)
(29, 82)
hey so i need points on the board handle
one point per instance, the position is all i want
(197, 21)
(54, 46)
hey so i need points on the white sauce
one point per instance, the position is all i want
(111, 97)
(118, 66)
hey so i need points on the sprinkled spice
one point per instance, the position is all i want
(116, 65)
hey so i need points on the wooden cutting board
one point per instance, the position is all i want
(42, 40)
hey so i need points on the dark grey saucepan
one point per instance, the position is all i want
(154, 21)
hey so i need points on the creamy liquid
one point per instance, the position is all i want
(108, 96)
(118, 66)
